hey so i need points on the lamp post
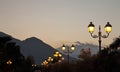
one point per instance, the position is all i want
(9, 62)
(34, 65)
(45, 63)
(68, 50)
(108, 29)
(57, 56)
(50, 59)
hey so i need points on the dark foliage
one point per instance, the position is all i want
(116, 43)
(9, 51)
(108, 60)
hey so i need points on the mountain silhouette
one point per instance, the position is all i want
(40, 50)
(3, 34)
(37, 48)
(33, 47)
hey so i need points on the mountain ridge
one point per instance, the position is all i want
(33, 47)
(40, 50)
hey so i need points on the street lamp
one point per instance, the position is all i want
(9, 62)
(50, 59)
(57, 56)
(68, 50)
(45, 63)
(108, 29)
(34, 65)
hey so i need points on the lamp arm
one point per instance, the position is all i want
(94, 36)
(105, 36)
(65, 51)
(71, 51)
(68, 52)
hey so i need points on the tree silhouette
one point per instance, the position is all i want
(9, 51)
(85, 53)
(115, 44)
(106, 61)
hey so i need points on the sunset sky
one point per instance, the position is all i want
(59, 21)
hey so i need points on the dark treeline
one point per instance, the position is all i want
(108, 60)
(11, 59)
